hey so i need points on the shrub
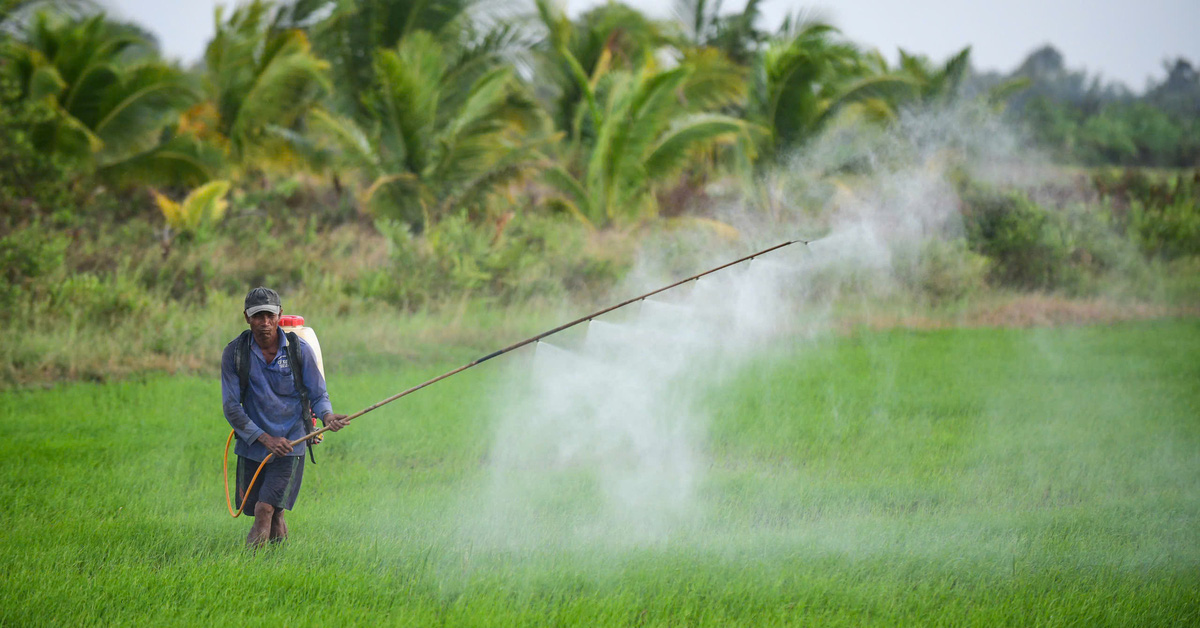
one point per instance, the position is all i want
(944, 271)
(1160, 213)
(42, 286)
(34, 184)
(98, 300)
(1170, 231)
(28, 257)
(511, 258)
(1023, 240)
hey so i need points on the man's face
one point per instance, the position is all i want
(263, 326)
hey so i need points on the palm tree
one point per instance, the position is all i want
(736, 35)
(804, 79)
(439, 138)
(645, 136)
(355, 29)
(261, 80)
(940, 84)
(632, 124)
(16, 14)
(113, 101)
(573, 54)
(936, 84)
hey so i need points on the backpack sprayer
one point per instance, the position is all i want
(311, 339)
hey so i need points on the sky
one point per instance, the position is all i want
(1120, 39)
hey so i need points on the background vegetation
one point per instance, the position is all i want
(381, 160)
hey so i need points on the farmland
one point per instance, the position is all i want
(947, 477)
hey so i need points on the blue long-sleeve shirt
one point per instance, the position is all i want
(272, 402)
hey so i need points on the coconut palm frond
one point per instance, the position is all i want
(145, 99)
(342, 137)
(260, 78)
(574, 196)
(182, 160)
(111, 102)
(672, 149)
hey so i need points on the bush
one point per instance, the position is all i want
(508, 259)
(945, 271)
(33, 184)
(28, 257)
(1023, 240)
(99, 300)
(1168, 232)
(1159, 212)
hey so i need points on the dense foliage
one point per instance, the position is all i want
(411, 155)
(1081, 119)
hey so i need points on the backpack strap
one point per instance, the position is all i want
(241, 362)
(293, 351)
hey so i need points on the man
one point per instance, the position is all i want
(270, 413)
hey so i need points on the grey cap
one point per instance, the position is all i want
(262, 299)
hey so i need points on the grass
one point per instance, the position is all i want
(948, 477)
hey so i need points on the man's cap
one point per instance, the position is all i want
(262, 299)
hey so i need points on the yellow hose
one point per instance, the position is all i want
(225, 470)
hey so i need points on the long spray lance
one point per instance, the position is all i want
(551, 332)
(500, 352)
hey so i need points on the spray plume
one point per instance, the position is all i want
(603, 440)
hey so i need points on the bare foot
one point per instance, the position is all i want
(279, 529)
(260, 532)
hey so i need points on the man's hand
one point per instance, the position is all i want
(277, 445)
(335, 422)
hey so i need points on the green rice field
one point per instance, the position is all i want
(964, 477)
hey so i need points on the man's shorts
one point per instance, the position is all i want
(277, 485)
